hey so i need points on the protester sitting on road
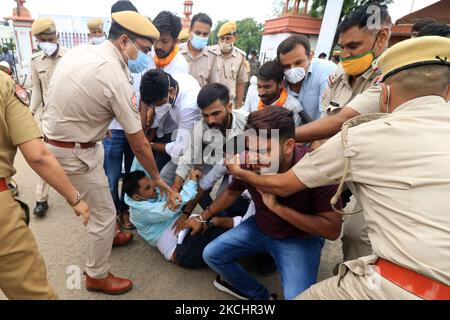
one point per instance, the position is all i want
(157, 224)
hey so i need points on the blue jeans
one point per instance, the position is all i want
(117, 150)
(297, 259)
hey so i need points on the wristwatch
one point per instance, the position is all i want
(77, 201)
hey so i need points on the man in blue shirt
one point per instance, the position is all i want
(306, 78)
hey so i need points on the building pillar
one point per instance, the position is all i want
(21, 24)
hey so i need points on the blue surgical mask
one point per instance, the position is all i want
(140, 63)
(199, 42)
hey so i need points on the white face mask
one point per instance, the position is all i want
(49, 48)
(295, 75)
(98, 40)
(226, 47)
(161, 110)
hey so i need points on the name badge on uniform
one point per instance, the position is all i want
(21, 94)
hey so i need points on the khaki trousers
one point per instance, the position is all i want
(85, 170)
(357, 280)
(355, 238)
(23, 274)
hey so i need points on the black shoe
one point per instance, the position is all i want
(266, 265)
(227, 288)
(41, 209)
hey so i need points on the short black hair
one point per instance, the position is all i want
(130, 182)
(117, 30)
(211, 93)
(418, 25)
(273, 117)
(201, 17)
(323, 55)
(435, 29)
(291, 42)
(166, 21)
(362, 14)
(155, 86)
(271, 70)
(123, 5)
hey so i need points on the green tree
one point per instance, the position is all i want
(317, 8)
(248, 37)
(249, 34)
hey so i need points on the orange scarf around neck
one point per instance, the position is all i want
(280, 102)
(163, 62)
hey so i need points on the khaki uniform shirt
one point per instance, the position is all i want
(89, 88)
(231, 70)
(42, 68)
(201, 67)
(400, 167)
(340, 93)
(17, 125)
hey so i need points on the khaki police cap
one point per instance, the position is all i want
(407, 54)
(136, 23)
(184, 35)
(43, 25)
(227, 28)
(94, 23)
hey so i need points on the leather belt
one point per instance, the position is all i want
(3, 184)
(417, 284)
(68, 145)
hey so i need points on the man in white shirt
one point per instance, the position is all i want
(173, 97)
(166, 57)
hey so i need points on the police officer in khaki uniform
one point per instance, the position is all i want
(398, 163)
(43, 63)
(230, 63)
(89, 88)
(96, 33)
(23, 274)
(200, 57)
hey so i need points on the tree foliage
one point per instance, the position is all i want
(248, 37)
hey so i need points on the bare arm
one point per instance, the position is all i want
(324, 224)
(226, 198)
(159, 147)
(44, 163)
(324, 128)
(190, 206)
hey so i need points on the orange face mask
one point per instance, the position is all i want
(357, 65)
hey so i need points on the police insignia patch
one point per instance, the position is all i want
(22, 94)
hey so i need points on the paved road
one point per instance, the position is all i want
(62, 241)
